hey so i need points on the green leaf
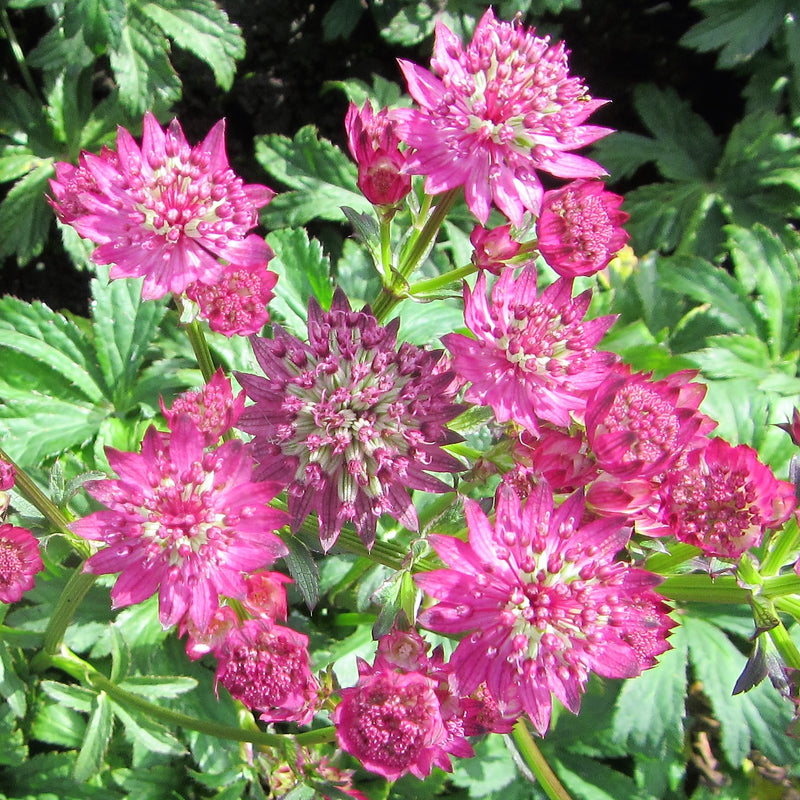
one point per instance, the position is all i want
(303, 569)
(98, 733)
(25, 216)
(491, 770)
(120, 655)
(14, 751)
(322, 176)
(201, 27)
(147, 735)
(15, 161)
(59, 725)
(341, 18)
(11, 686)
(155, 687)
(70, 696)
(587, 779)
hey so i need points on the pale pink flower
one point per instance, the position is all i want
(20, 560)
(7, 476)
(201, 642)
(637, 427)
(266, 666)
(534, 359)
(182, 520)
(236, 304)
(164, 210)
(580, 228)
(543, 602)
(349, 421)
(213, 409)
(493, 114)
(374, 145)
(266, 595)
(724, 499)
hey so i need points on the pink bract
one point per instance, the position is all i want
(374, 145)
(7, 476)
(184, 521)
(494, 249)
(724, 499)
(20, 561)
(534, 358)
(579, 229)
(165, 211)
(542, 602)
(493, 114)
(350, 421)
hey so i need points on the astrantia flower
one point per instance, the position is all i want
(236, 304)
(534, 359)
(724, 499)
(350, 421)
(637, 426)
(496, 249)
(201, 642)
(374, 145)
(184, 521)
(493, 114)
(19, 562)
(542, 602)
(266, 595)
(562, 458)
(7, 476)
(579, 229)
(266, 666)
(213, 409)
(166, 211)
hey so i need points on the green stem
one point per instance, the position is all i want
(781, 584)
(76, 589)
(701, 588)
(785, 646)
(19, 56)
(533, 757)
(664, 563)
(434, 284)
(782, 544)
(790, 605)
(201, 351)
(386, 247)
(46, 507)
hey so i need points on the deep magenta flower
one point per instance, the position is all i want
(213, 409)
(534, 359)
(562, 458)
(580, 228)
(236, 304)
(182, 520)
(166, 211)
(375, 147)
(493, 114)
(496, 249)
(266, 666)
(20, 561)
(542, 602)
(350, 421)
(724, 499)
(7, 476)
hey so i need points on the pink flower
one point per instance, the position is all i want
(213, 409)
(236, 304)
(166, 211)
(7, 476)
(183, 520)
(201, 642)
(579, 228)
(19, 562)
(496, 249)
(724, 499)
(560, 457)
(637, 427)
(266, 666)
(542, 602)
(493, 114)
(534, 359)
(792, 428)
(350, 421)
(266, 595)
(374, 145)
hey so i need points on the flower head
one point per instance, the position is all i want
(182, 520)
(534, 359)
(266, 666)
(350, 421)
(7, 476)
(579, 229)
(493, 114)
(543, 602)
(266, 595)
(163, 210)
(374, 145)
(496, 249)
(562, 458)
(724, 499)
(19, 562)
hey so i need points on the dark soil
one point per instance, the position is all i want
(279, 88)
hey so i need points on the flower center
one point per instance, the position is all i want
(11, 563)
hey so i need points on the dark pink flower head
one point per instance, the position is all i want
(637, 426)
(534, 359)
(182, 520)
(7, 476)
(213, 409)
(266, 595)
(496, 249)
(542, 601)
(350, 421)
(483, 715)
(19, 562)
(580, 228)
(724, 499)
(236, 304)
(404, 650)
(266, 666)
(164, 210)
(201, 642)
(792, 428)
(493, 114)
(560, 457)
(374, 145)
